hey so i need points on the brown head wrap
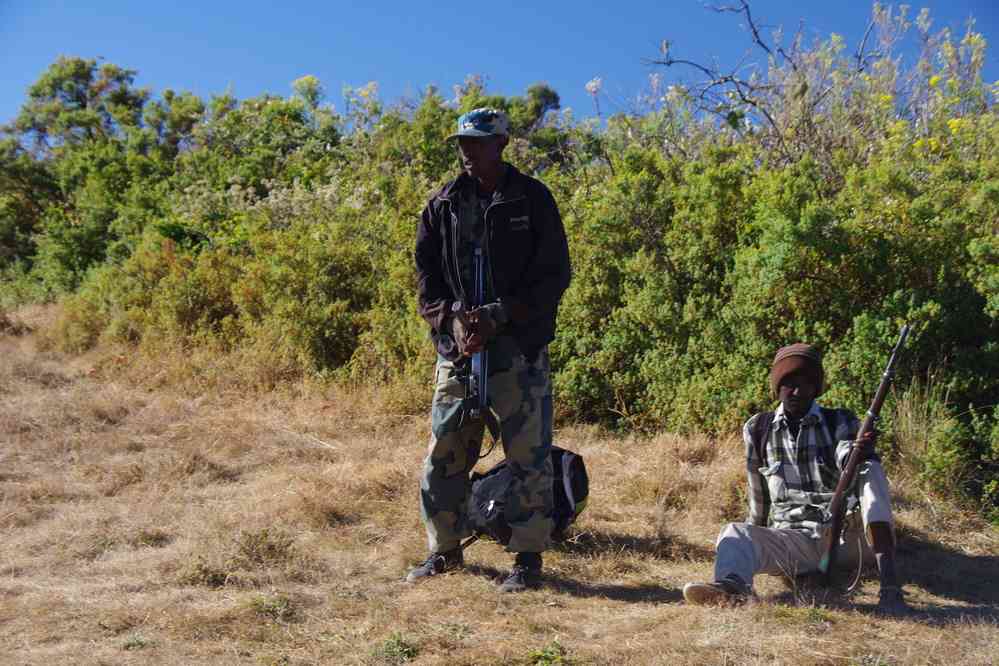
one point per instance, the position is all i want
(798, 357)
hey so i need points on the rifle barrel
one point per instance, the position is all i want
(837, 504)
(480, 360)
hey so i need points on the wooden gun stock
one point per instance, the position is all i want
(837, 506)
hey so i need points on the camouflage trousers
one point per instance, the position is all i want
(521, 396)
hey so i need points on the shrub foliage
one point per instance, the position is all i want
(828, 197)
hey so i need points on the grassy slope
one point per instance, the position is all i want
(144, 523)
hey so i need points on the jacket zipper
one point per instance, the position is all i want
(455, 271)
(486, 234)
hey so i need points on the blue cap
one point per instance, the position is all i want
(483, 122)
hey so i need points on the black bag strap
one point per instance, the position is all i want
(760, 430)
(831, 417)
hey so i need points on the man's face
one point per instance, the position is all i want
(796, 393)
(481, 155)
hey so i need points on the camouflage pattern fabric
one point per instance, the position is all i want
(521, 396)
(471, 234)
(484, 121)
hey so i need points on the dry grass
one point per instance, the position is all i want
(143, 520)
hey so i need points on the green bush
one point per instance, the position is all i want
(835, 204)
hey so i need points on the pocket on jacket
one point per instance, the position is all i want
(444, 373)
(520, 223)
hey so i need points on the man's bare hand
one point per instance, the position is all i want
(866, 444)
(473, 344)
(473, 329)
(461, 331)
(483, 322)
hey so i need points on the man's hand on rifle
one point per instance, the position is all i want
(482, 324)
(473, 329)
(464, 326)
(488, 320)
(866, 444)
(473, 344)
(461, 330)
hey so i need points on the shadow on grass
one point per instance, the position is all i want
(667, 547)
(950, 573)
(596, 542)
(935, 567)
(936, 614)
(629, 593)
(551, 581)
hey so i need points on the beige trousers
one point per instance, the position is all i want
(745, 550)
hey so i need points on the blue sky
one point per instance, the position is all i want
(253, 47)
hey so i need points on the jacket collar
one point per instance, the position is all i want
(511, 187)
(812, 417)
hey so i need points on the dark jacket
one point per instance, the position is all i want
(528, 256)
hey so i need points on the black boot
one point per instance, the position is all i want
(436, 563)
(526, 573)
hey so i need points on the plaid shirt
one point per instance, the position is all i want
(792, 487)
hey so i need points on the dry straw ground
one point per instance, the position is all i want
(149, 516)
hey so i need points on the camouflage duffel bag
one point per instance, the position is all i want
(490, 490)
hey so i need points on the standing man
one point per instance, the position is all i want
(794, 459)
(514, 222)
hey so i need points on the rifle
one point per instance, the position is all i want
(476, 401)
(478, 385)
(837, 506)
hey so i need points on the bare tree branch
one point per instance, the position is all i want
(746, 92)
(743, 8)
(862, 59)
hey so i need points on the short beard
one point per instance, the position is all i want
(797, 414)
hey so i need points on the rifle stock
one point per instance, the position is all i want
(837, 506)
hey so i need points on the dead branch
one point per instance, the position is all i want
(743, 8)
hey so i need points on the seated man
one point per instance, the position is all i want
(794, 459)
